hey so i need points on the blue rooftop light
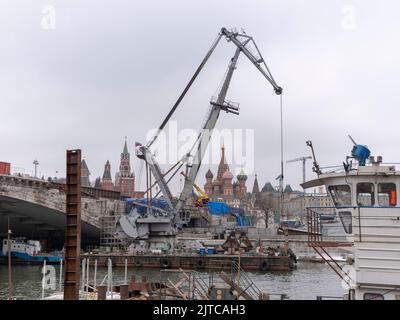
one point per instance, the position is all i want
(361, 153)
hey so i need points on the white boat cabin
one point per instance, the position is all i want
(367, 204)
(21, 245)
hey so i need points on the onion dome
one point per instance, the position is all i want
(227, 175)
(242, 176)
(209, 174)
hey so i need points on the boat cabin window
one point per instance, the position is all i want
(345, 218)
(341, 195)
(387, 195)
(373, 296)
(365, 194)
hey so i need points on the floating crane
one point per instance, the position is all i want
(302, 159)
(160, 225)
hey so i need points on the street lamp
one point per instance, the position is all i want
(36, 163)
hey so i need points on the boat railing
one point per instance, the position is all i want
(353, 166)
(320, 239)
(322, 232)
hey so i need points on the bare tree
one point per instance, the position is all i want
(267, 202)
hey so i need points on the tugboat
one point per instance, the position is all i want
(365, 196)
(24, 251)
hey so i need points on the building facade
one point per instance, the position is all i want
(295, 203)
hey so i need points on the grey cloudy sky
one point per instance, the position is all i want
(114, 68)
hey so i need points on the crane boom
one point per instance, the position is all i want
(303, 160)
(299, 159)
(258, 63)
(178, 101)
(206, 134)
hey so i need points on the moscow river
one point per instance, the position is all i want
(306, 282)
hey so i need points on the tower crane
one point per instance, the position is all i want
(302, 159)
(160, 225)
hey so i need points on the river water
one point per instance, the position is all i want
(306, 282)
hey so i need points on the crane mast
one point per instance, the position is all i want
(206, 134)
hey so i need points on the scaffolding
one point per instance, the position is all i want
(108, 241)
(213, 285)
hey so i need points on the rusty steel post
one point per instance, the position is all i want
(73, 227)
(124, 291)
(101, 292)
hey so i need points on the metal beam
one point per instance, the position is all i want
(73, 228)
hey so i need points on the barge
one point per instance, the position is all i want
(197, 262)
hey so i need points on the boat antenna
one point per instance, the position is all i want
(286, 231)
(352, 140)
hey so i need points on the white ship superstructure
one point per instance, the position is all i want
(367, 205)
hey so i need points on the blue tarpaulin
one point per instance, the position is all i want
(218, 208)
(221, 208)
(133, 203)
(243, 221)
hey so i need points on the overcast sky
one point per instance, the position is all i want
(111, 69)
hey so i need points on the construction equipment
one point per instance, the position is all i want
(316, 167)
(203, 199)
(303, 159)
(161, 225)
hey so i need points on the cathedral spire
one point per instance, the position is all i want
(125, 151)
(223, 159)
(223, 165)
(107, 171)
(256, 188)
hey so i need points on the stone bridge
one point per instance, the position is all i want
(36, 209)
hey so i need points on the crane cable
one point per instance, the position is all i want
(180, 98)
(281, 110)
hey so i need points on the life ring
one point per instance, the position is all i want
(165, 263)
(138, 263)
(200, 264)
(264, 265)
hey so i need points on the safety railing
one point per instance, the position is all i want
(325, 230)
